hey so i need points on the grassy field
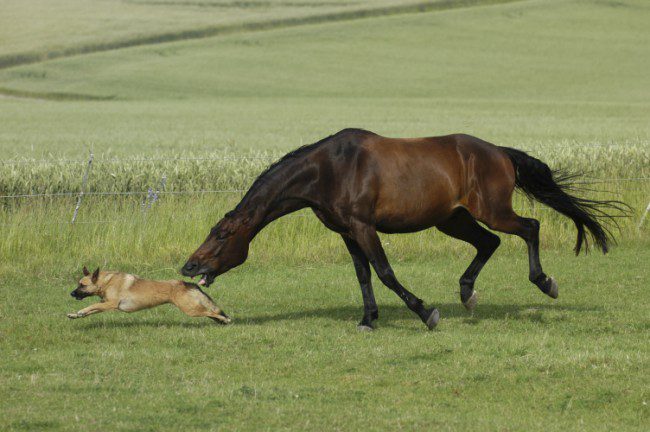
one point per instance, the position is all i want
(538, 75)
(37, 30)
(475, 70)
(293, 359)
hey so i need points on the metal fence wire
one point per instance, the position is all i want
(151, 195)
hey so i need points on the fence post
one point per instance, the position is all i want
(145, 201)
(645, 213)
(163, 183)
(83, 187)
(152, 195)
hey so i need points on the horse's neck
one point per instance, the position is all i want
(283, 192)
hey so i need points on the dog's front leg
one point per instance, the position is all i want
(92, 309)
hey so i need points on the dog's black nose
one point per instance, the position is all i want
(73, 294)
(189, 267)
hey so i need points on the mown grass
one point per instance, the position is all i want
(293, 359)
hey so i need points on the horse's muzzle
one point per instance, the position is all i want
(190, 268)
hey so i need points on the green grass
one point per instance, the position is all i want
(293, 359)
(37, 30)
(543, 76)
(38, 237)
(522, 74)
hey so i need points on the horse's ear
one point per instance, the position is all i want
(86, 272)
(95, 276)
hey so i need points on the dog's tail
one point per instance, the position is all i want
(552, 187)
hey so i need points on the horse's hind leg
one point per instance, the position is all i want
(362, 268)
(463, 226)
(527, 229)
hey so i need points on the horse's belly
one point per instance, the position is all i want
(411, 215)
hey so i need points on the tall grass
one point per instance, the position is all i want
(118, 231)
(235, 170)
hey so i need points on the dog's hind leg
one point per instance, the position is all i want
(92, 309)
(195, 303)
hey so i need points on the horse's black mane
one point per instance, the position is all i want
(263, 177)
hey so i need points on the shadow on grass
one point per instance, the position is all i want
(387, 315)
(156, 323)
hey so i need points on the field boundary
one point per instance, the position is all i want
(152, 194)
(269, 159)
(60, 96)
(226, 191)
(19, 59)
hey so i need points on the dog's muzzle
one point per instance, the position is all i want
(78, 295)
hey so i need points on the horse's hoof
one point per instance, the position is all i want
(364, 328)
(553, 290)
(471, 302)
(433, 319)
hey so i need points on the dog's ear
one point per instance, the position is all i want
(95, 276)
(86, 272)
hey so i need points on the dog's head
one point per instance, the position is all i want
(87, 285)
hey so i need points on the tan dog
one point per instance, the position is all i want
(129, 293)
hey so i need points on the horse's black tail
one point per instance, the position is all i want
(552, 187)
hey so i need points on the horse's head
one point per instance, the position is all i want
(225, 247)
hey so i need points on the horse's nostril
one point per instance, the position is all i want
(189, 266)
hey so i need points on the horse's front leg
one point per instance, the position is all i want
(362, 268)
(366, 237)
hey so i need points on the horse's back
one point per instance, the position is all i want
(416, 183)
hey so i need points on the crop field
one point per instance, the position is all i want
(205, 94)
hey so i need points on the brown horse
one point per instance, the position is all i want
(359, 183)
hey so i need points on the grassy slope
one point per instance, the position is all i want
(525, 51)
(45, 27)
(293, 359)
(518, 74)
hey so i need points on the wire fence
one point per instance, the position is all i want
(125, 193)
(119, 160)
(153, 194)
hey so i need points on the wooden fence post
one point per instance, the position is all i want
(83, 187)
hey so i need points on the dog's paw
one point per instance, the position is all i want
(222, 318)
(72, 315)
